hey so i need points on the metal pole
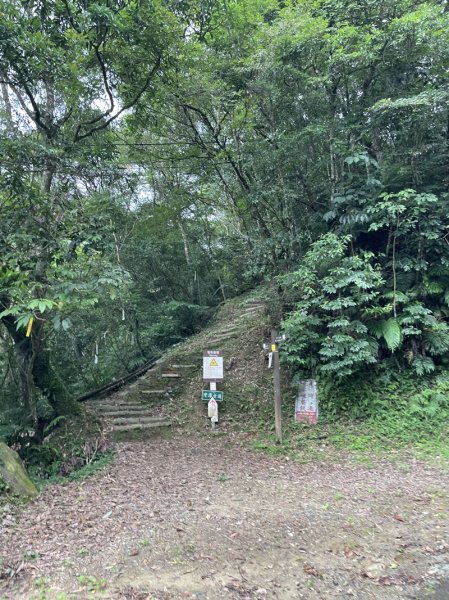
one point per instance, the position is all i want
(277, 385)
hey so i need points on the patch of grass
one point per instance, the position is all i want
(138, 435)
(45, 592)
(103, 461)
(364, 460)
(92, 583)
(271, 448)
(98, 464)
(391, 435)
(67, 562)
(183, 553)
(144, 542)
(394, 417)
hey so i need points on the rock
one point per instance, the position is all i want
(12, 471)
(372, 569)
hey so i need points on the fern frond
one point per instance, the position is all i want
(389, 330)
(392, 334)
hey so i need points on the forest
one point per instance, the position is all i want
(158, 157)
(187, 175)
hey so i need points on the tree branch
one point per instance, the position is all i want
(106, 87)
(133, 102)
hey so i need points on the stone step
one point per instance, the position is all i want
(137, 414)
(184, 366)
(221, 338)
(170, 375)
(229, 330)
(154, 392)
(225, 335)
(136, 420)
(140, 426)
(118, 406)
(151, 373)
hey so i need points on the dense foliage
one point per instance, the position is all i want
(159, 157)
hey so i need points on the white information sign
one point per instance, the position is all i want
(212, 410)
(212, 365)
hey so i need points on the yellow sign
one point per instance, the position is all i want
(213, 363)
(273, 348)
(30, 327)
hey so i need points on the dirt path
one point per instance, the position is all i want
(205, 518)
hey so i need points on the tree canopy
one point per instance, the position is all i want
(160, 156)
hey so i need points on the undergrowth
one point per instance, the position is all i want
(381, 417)
(75, 449)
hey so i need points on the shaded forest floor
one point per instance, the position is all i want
(190, 514)
(204, 517)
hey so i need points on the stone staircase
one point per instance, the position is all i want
(138, 406)
(145, 404)
(252, 309)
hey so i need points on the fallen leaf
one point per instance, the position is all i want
(398, 580)
(309, 570)
(348, 552)
(398, 517)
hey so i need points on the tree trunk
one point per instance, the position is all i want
(33, 370)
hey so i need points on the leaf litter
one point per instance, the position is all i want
(163, 522)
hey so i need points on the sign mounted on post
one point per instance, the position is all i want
(213, 365)
(212, 395)
(212, 410)
(306, 405)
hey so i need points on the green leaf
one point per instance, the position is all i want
(446, 297)
(23, 321)
(389, 330)
(392, 334)
(10, 311)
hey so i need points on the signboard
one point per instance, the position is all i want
(213, 365)
(212, 410)
(212, 395)
(306, 405)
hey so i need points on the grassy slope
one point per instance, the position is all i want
(395, 434)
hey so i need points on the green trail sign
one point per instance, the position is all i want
(207, 395)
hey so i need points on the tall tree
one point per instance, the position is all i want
(69, 71)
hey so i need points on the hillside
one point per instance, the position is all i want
(170, 392)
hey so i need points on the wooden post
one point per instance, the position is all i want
(277, 385)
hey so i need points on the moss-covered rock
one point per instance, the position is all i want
(13, 473)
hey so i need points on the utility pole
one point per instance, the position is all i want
(277, 384)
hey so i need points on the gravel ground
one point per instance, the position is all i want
(203, 517)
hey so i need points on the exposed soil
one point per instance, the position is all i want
(203, 517)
